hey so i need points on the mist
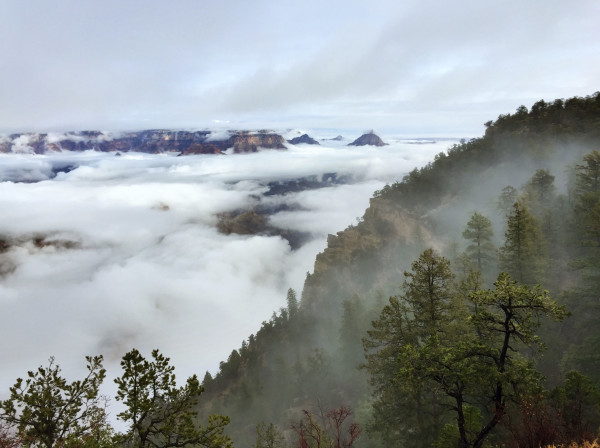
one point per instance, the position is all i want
(109, 253)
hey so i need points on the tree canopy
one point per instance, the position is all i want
(48, 411)
(160, 414)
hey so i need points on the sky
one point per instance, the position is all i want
(411, 67)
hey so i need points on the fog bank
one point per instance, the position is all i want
(109, 253)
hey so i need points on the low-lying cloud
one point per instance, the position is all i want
(122, 252)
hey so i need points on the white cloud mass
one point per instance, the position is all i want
(131, 256)
(147, 267)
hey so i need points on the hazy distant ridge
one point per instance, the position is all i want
(148, 141)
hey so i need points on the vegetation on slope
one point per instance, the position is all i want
(425, 323)
(532, 158)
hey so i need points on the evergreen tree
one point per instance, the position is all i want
(292, 304)
(351, 332)
(587, 202)
(483, 365)
(407, 413)
(588, 176)
(507, 200)
(268, 436)
(583, 296)
(479, 232)
(578, 404)
(50, 412)
(540, 189)
(523, 253)
(430, 293)
(160, 414)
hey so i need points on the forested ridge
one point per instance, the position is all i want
(528, 169)
(462, 310)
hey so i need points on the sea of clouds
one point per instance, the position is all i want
(131, 256)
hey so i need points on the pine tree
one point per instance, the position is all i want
(268, 436)
(587, 202)
(351, 332)
(292, 304)
(523, 253)
(479, 232)
(160, 414)
(507, 199)
(407, 413)
(484, 365)
(430, 292)
(49, 412)
(540, 189)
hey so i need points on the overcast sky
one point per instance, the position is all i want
(411, 67)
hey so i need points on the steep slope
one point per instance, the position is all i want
(308, 359)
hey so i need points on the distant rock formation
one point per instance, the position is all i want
(246, 142)
(339, 138)
(150, 141)
(303, 139)
(370, 138)
(250, 222)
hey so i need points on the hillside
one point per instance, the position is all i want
(306, 357)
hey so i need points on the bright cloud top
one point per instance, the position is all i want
(132, 257)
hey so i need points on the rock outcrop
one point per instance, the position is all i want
(370, 138)
(247, 142)
(303, 139)
(150, 141)
(250, 222)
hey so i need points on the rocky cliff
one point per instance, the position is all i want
(368, 256)
(149, 141)
(303, 139)
(370, 138)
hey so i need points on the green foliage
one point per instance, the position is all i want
(479, 232)
(292, 303)
(450, 436)
(587, 205)
(50, 412)
(268, 436)
(540, 189)
(507, 200)
(588, 175)
(291, 363)
(160, 414)
(429, 356)
(429, 291)
(407, 413)
(523, 253)
(578, 402)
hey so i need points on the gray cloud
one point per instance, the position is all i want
(116, 65)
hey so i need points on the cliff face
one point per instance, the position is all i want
(366, 256)
(384, 223)
(245, 142)
(149, 141)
